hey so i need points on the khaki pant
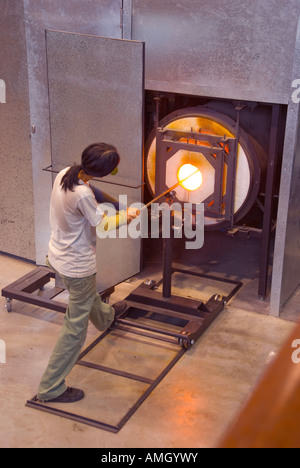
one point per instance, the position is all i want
(84, 304)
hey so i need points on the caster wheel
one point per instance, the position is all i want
(149, 283)
(8, 305)
(186, 344)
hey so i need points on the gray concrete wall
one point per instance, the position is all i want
(286, 270)
(228, 49)
(97, 17)
(17, 234)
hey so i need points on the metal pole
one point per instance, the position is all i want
(268, 206)
(167, 261)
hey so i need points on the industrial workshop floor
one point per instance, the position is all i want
(191, 408)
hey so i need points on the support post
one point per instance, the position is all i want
(268, 206)
(167, 261)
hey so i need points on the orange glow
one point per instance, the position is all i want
(189, 177)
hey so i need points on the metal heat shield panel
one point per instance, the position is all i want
(286, 275)
(291, 265)
(286, 268)
(229, 49)
(96, 93)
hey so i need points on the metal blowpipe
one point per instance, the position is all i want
(169, 190)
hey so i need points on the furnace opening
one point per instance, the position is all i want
(190, 177)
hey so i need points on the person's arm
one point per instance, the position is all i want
(95, 214)
(102, 197)
(111, 223)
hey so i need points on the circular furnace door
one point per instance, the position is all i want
(201, 186)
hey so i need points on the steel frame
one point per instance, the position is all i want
(169, 142)
(168, 145)
(24, 288)
(195, 317)
(115, 428)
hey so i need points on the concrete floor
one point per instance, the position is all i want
(191, 408)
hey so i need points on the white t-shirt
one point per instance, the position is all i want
(73, 217)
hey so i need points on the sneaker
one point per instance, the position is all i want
(120, 308)
(69, 396)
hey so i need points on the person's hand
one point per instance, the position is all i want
(132, 213)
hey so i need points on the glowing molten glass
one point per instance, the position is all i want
(189, 177)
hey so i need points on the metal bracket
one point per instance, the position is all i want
(135, 187)
(220, 151)
(24, 290)
(193, 316)
(150, 385)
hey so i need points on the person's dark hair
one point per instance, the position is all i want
(97, 160)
